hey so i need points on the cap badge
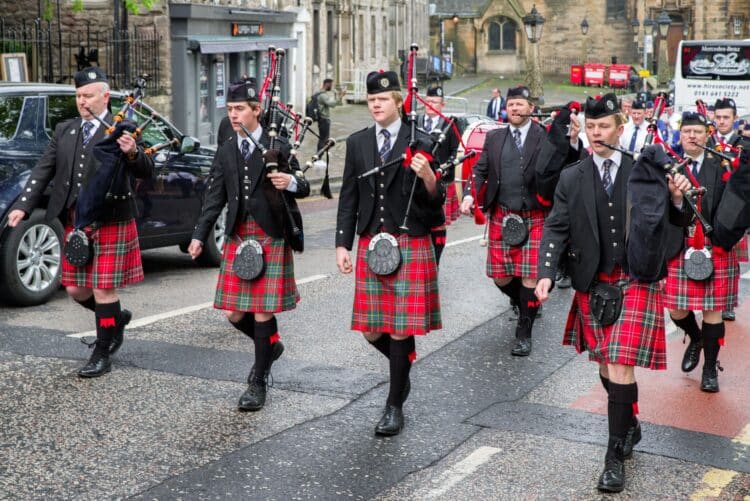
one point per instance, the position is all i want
(384, 82)
(610, 105)
(91, 75)
(250, 92)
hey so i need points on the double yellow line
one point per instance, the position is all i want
(716, 480)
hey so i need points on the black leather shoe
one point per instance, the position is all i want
(391, 423)
(515, 310)
(710, 380)
(728, 315)
(612, 478)
(254, 397)
(692, 355)
(277, 350)
(125, 317)
(98, 364)
(631, 440)
(522, 347)
(539, 311)
(564, 282)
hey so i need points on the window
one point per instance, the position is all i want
(502, 34)
(157, 132)
(10, 112)
(373, 37)
(59, 109)
(616, 9)
(361, 41)
(330, 29)
(316, 37)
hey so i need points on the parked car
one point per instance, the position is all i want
(168, 204)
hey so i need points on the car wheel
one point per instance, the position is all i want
(31, 260)
(214, 245)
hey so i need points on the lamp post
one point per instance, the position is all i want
(533, 22)
(664, 22)
(648, 28)
(584, 32)
(441, 21)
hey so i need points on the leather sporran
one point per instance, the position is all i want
(79, 250)
(515, 232)
(698, 264)
(383, 254)
(249, 262)
(605, 302)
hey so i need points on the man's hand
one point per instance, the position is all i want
(543, 287)
(280, 180)
(127, 144)
(195, 248)
(466, 204)
(15, 217)
(678, 184)
(421, 167)
(575, 129)
(343, 261)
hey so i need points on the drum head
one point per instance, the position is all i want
(698, 264)
(383, 254)
(515, 232)
(78, 249)
(248, 260)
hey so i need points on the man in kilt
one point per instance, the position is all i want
(683, 295)
(725, 116)
(507, 166)
(432, 123)
(390, 307)
(587, 229)
(69, 162)
(240, 179)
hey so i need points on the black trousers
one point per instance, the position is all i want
(324, 129)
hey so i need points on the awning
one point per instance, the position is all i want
(221, 45)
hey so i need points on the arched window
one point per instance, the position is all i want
(501, 34)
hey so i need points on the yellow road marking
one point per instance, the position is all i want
(714, 481)
(744, 436)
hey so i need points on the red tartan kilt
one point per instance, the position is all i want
(718, 293)
(451, 207)
(272, 292)
(404, 303)
(741, 250)
(637, 338)
(506, 261)
(116, 261)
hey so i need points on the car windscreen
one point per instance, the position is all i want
(60, 107)
(10, 111)
(157, 132)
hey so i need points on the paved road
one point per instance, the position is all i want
(480, 423)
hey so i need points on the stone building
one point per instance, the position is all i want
(488, 35)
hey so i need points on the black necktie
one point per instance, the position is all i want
(428, 124)
(694, 168)
(245, 149)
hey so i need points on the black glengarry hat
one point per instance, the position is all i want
(244, 91)
(725, 103)
(382, 81)
(693, 118)
(602, 107)
(90, 75)
(521, 91)
(435, 91)
(638, 105)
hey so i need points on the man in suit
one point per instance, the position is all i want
(683, 295)
(391, 307)
(69, 162)
(507, 168)
(240, 179)
(496, 106)
(634, 135)
(587, 229)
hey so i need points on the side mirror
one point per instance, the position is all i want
(189, 144)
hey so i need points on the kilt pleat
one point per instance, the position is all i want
(274, 291)
(637, 338)
(741, 249)
(506, 261)
(718, 293)
(451, 207)
(116, 261)
(404, 303)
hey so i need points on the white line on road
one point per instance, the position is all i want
(181, 311)
(746, 275)
(461, 470)
(463, 241)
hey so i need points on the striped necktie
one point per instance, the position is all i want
(87, 132)
(607, 177)
(385, 150)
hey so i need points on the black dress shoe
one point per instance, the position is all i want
(692, 355)
(728, 315)
(254, 397)
(125, 317)
(98, 364)
(539, 311)
(391, 423)
(564, 282)
(522, 347)
(710, 380)
(631, 440)
(612, 478)
(277, 350)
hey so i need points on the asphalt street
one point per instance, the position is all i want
(480, 423)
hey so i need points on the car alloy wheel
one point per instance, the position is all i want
(38, 258)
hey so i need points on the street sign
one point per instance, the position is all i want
(648, 42)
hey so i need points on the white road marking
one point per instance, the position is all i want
(463, 241)
(746, 275)
(461, 470)
(181, 311)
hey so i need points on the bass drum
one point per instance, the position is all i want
(473, 140)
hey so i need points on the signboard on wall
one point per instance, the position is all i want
(247, 29)
(221, 100)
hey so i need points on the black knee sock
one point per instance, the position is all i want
(263, 347)
(383, 344)
(402, 355)
(528, 305)
(106, 323)
(713, 337)
(690, 326)
(511, 289)
(438, 241)
(605, 382)
(246, 325)
(89, 304)
(623, 399)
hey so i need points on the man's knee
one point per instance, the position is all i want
(502, 282)
(78, 293)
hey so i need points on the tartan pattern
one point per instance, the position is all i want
(404, 303)
(450, 207)
(741, 250)
(272, 292)
(718, 293)
(116, 262)
(637, 338)
(506, 261)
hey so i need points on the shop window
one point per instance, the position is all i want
(616, 9)
(501, 34)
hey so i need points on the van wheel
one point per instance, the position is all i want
(31, 260)
(213, 247)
